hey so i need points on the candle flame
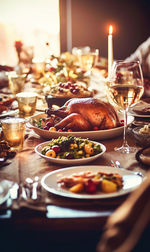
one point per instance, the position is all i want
(110, 29)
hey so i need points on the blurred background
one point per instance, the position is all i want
(54, 26)
(33, 22)
(90, 21)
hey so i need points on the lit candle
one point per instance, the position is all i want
(27, 108)
(14, 139)
(14, 131)
(110, 50)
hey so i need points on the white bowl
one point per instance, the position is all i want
(38, 150)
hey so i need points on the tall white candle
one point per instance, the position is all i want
(110, 49)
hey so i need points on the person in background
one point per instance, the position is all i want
(142, 54)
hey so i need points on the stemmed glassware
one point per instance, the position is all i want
(125, 88)
(87, 57)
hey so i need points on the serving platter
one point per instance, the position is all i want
(94, 135)
(38, 150)
(130, 181)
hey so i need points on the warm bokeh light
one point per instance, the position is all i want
(115, 27)
(110, 29)
(34, 24)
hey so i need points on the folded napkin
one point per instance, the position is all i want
(46, 199)
(67, 202)
(124, 228)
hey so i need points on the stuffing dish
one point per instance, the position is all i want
(70, 90)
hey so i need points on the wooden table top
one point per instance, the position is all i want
(58, 221)
(56, 210)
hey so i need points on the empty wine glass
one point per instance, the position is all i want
(125, 88)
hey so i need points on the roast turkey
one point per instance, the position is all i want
(83, 114)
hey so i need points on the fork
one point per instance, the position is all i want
(117, 165)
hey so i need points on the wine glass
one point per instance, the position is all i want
(87, 57)
(125, 88)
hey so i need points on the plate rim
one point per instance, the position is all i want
(89, 197)
(132, 113)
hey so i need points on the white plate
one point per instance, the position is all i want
(130, 181)
(98, 134)
(140, 106)
(39, 148)
(9, 113)
(132, 113)
(4, 191)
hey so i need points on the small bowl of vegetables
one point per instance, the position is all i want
(70, 150)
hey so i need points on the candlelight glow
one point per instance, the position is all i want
(110, 29)
(14, 138)
(27, 108)
(14, 131)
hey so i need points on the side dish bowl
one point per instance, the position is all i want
(141, 138)
(39, 148)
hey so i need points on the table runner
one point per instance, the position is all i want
(28, 164)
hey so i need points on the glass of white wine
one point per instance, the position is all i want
(125, 88)
(87, 57)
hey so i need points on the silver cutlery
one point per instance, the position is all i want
(117, 165)
(14, 191)
(23, 195)
(17, 194)
(33, 186)
(28, 185)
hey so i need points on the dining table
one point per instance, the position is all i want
(52, 221)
